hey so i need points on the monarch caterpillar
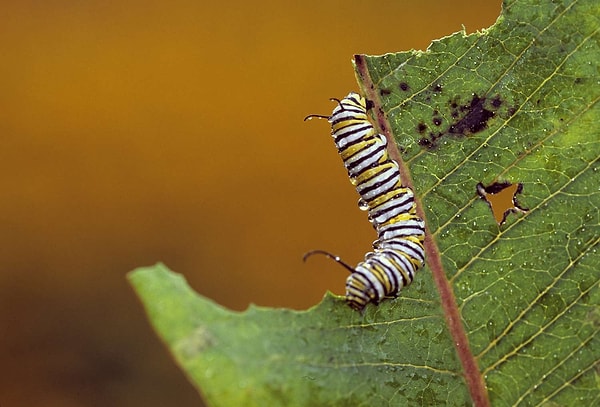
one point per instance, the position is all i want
(398, 252)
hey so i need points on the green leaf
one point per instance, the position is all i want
(321, 357)
(502, 314)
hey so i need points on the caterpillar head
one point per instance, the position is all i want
(358, 292)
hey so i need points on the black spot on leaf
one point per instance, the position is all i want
(404, 86)
(425, 142)
(457, 118)
(496, 102)
(473, 117)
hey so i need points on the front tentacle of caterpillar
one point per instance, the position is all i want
(316, 116)
(335, 258)
(322, 116)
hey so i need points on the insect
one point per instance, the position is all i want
(398, 253)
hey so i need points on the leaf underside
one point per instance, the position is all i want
(515, 103)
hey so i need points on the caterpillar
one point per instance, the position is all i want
(398, 252)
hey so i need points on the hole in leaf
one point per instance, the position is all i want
(501, 198)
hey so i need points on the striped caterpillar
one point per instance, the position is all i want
(398, 252)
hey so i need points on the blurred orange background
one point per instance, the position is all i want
(136, 132)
